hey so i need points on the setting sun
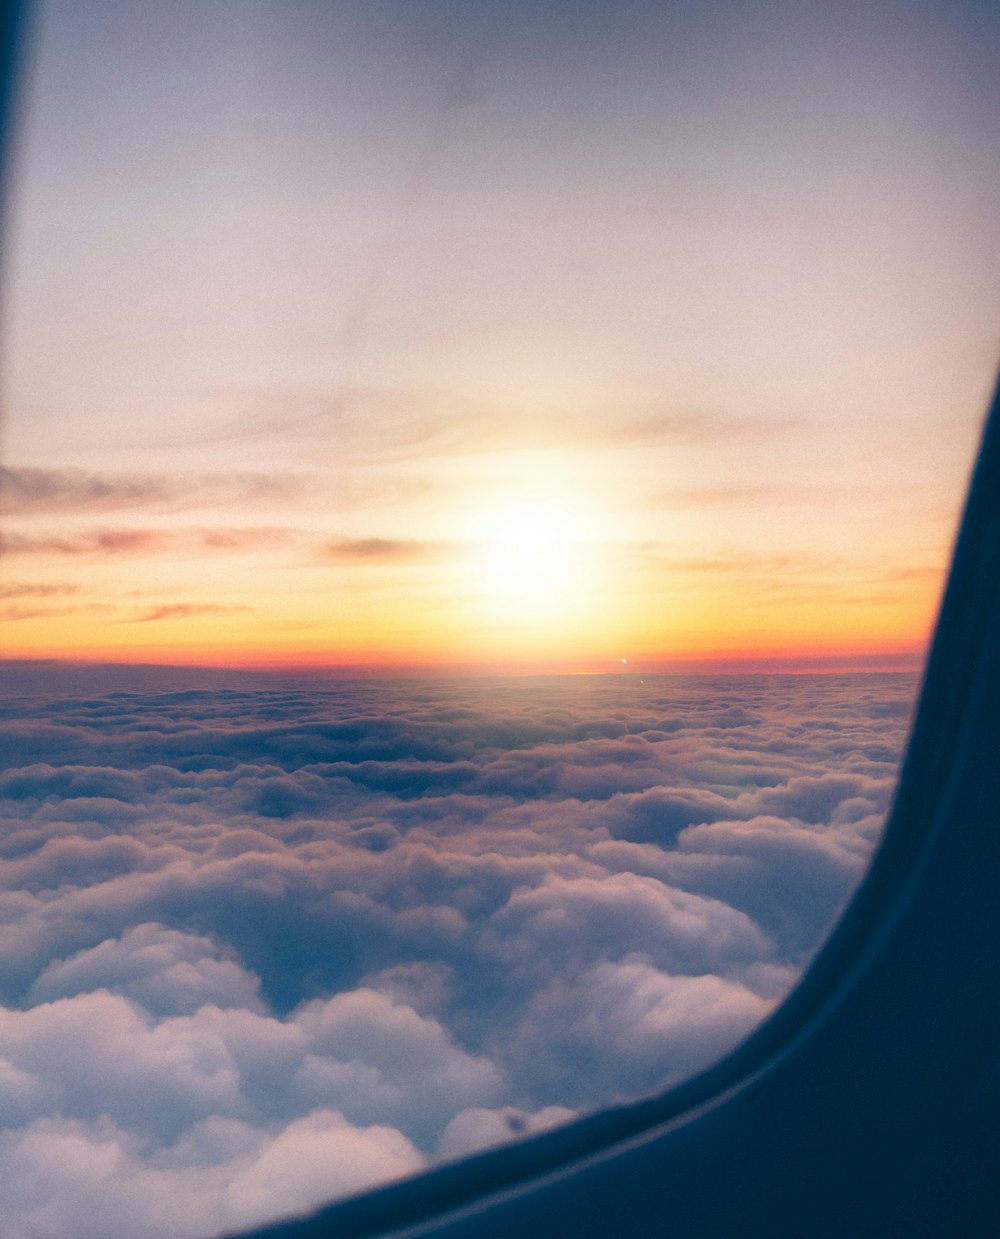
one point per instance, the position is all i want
(530, 559)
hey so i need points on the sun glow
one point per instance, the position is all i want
(534, 560)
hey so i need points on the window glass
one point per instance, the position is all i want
(477, 481)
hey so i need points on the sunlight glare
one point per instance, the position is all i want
(533, 560)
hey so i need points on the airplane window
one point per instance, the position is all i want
(477, 482)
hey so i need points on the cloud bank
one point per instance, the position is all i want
(274, 942)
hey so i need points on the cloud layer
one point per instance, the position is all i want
(274, 942)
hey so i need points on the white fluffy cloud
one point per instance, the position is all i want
(620, 1027)
(273, 943)
(94, 1179)
(168, 972)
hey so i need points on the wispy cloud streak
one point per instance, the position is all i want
(31, 491)
(183, 610)
(385, 550)
(146, 541)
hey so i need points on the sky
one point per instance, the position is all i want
(269, 941)
(540, 336)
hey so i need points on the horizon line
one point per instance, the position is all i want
(885, 662)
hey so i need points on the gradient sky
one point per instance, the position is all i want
(539, 334)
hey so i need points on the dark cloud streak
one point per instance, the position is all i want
(146, 541)
(31, 491)
(385, 550)
(36, 591)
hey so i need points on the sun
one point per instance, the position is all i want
(532, 558)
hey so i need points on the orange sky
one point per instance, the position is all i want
(485, 352)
